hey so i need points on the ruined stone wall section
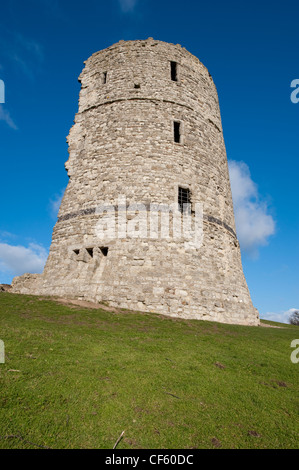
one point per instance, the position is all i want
(122, 143)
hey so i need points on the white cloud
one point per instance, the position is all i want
(127, 5)
(55, 203)
(253, 222)
(19, 260)
(281, 317)
(5, 116)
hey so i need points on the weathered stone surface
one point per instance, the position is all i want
(122, 143)
(5, 287)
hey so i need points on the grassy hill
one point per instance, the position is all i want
(76, 378)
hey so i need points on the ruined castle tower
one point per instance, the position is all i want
(148, 129)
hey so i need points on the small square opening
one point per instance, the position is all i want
(104, 250)
(90, 251)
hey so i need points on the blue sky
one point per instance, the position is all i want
(250, 49)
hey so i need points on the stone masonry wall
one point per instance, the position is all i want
(122, 143)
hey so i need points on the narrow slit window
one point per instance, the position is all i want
(174, 71)
(104, 250)
(104, 78)
(184, 199)
(177, 131)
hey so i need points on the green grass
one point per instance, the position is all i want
(87, 375)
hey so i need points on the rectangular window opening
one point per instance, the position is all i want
(174, 71)
(104, 250)
(177, 131)
(184, 199)
(104, 78)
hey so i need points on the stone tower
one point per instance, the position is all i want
(148, 131)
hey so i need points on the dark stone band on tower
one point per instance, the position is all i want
(140, 207)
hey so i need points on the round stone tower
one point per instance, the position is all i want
(147, 137)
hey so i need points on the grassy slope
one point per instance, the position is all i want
(87, 375)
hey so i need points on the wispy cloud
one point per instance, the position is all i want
(127, 5)
(29, 45)
(253, 222)
(27, 54)
(23, 52)
(7, 235)
(281, 317)
(6, 117)
(18, 260)
(55, 203)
